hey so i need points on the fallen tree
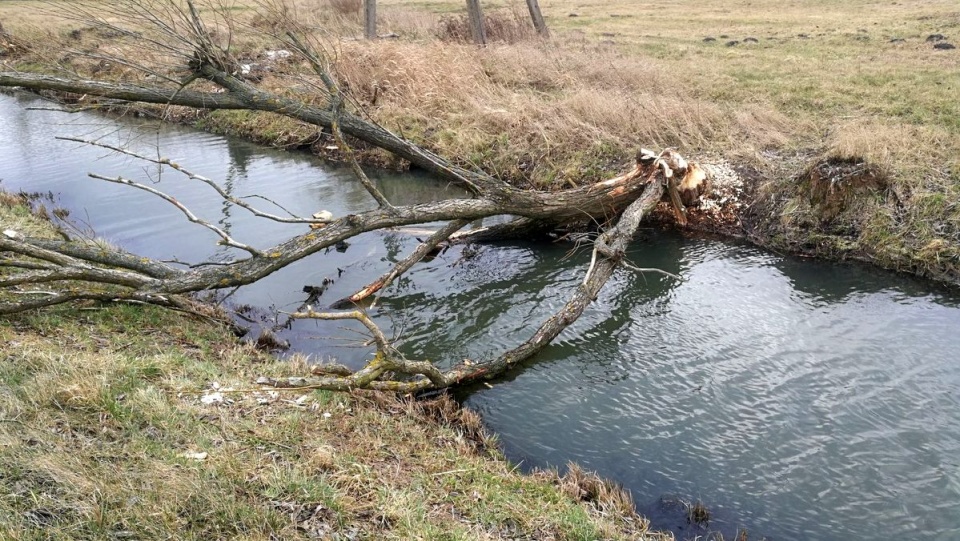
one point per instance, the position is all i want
(78, 270)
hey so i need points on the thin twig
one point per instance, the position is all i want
(646, 269)
(336, 105)
(227, 239)
(194, 176)
(380, 284)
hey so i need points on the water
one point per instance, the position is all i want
(797, 399)
(31, 159)
(801, 400)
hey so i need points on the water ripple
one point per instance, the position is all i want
(801, 400)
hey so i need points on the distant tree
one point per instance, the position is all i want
(475, 16)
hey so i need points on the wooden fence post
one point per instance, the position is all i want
(476, 22)
(370, 19)
(537, 17)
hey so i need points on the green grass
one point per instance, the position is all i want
(95, 425)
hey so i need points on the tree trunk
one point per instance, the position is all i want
(84, 272)
(475, 15)
(370, 19)
(537, 17)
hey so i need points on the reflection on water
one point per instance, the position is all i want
(798, 408)
(797, 399)
(148, 226)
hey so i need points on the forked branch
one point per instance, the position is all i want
(78, 269)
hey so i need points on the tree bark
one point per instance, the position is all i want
(537, 18)
(370, 19)
(475, 16)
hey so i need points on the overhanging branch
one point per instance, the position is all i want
(101, 273)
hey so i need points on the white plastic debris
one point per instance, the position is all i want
(212, 398)
(279, 54)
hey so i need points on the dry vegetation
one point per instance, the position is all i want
(807, 82)
(841, 116)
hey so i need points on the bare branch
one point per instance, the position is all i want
(4, 262)
(65, 109)
(514, 229)
(23, 248)
(227, 239)
(614, 243)
(82, 273)
(194, 176)
(387, 358)
(648, 269)
(422, 251)
(336, 105)
(103, 254)
(618, 238)
(357, 170)
(53, 299)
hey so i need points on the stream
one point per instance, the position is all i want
(797, 399)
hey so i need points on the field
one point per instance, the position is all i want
(841, 117)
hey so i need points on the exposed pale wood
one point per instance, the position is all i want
(403, 266)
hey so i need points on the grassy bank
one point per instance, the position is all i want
(132, 422)
(841, 117)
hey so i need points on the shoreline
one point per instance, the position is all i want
(835, 167)
(739, 208)
(161, 432)
(735, 211)
(811, 198)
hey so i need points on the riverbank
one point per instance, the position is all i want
(836, 124)
(137, 422)
(746, 172)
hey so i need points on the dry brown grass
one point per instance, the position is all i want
(346, 7)
(504, 26)
(823, 80)
(605, 495)
(530, 111)
(815, 62)
(537, 113)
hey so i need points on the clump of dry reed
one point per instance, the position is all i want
(346, 7)
(585, 486)
(534, 112)
(499, 26)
